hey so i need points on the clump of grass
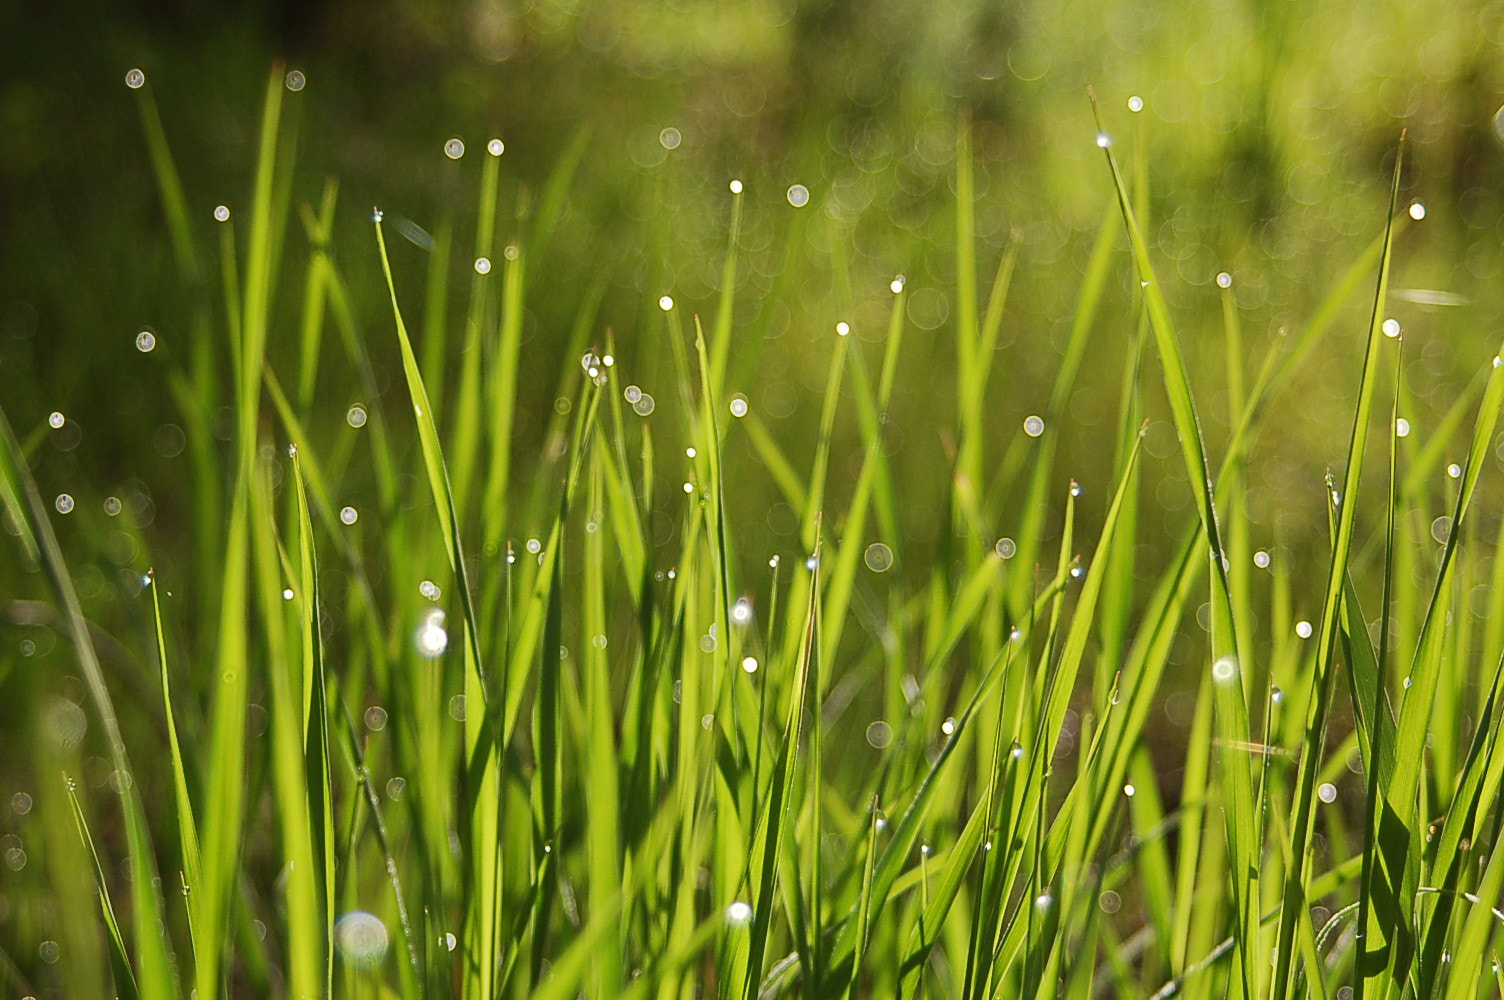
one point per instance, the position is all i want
(434, 713)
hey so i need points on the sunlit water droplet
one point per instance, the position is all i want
(1261, 559)
(736, 186)
(1391, 327)
(738, 405)
(355, 416)
(1135, 103)
(738, 914)
(1224, 280)
(288, 594)
(20, 803)
(135, 79)
(1103, 140)
(457, 708)
(482, 265)
(1033, 425)
(349, 515)
(1417, 210)
(670, 138)
(798, 195)
(773, 562)
(63, 503)
(1276, 695)
(1327, 792)
(896, 285)
(1129, 790)
(146, 341)
(1225, 669)
(879, 734)
(878, 557)
(1401, 427)
(221, 213)
(454, 148)
(396, 787)
(644, 405)
(843, 328)
(496, 147)
(749, 664)
(948, 727)
(429, 589)
(296, 81)
(1303, 629)
(741, 612)
(361, 939)
(534, 546)
(1005, 548)
(1441, 529)
(375, 718)
(56, 420)
(431, 638)
(1454, 470)
(49, 952)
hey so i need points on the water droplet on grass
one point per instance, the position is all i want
(1441, 529)
(454, 148)
(1303, 629)
(146, 341)
(349, 515)
(1327, 792)
(843, 328)
(375, 718)
(112, 506)
(135, 79)
(457, 708)
(1129, 790)
(1261, 559)
(879, 734)
(1103, 140)
(296, 81)
(1276, 695)
(736, 187)
(738, 405)
(1417, 210)
(1135, 103)
(1391, 327)
(896, 285)
(20, 803)
(1005, 548)
(482, 265)
(1454, 470)
(670, 138)
(221, 213)
(1224, 280)
(355, 416)
(798, 195)
(63, 503)
(878, 557)
(534, 546)
(1016, 751)
(749, 664)
(288, 594)
(948, 727)
(395, 788)
(738, 914)
(1401, 427)
(431, 638)
(429, 589)
(1225, 669)
(361, 939)
(741, 612)
(49, 952)
(496, 147)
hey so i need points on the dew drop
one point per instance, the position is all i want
(1303, 629)
(666, 303)
(375, 718)
(395, 788)
(738, 405)
(457, 708)
(878, 557)
(773, 562)
(221, 213)
(798, 195)
(1327, 792)
(1103, 140)
(361, 939)
(1417, 210)
(146, 341)
(736, 186)
(1033, 425)
(1225, 669)
(534, 546)
(689, 487)
(749, 664)
(1401, 427)
(20, 803)
(1441, 529)
(296, 81)
(1135, 103)
(879, 734)
(1224, 280)
(670, 138)
(482, 265)
(135, 79)
(56, 420)
(631, 394)
(1129, 790)
(1016, 751)
(63, 503)
(355, 416)
(112, 506)
(948, 727)
(1454, 470)
(49, 952)
(738, 914)
(1005, 548)
(496, 147)
(1391, 327)
(896, 285)
(288, 594)
(741, 612)
(644, 405)
(454, 148)
(1261, 559)
(429, 589)
(349, 515)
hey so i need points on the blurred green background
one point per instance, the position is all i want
(1267, 133)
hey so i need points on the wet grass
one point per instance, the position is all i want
(416, 705)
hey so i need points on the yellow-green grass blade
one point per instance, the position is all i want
(27, 511)
(120, 962)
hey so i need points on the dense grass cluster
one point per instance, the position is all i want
(397, 706)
